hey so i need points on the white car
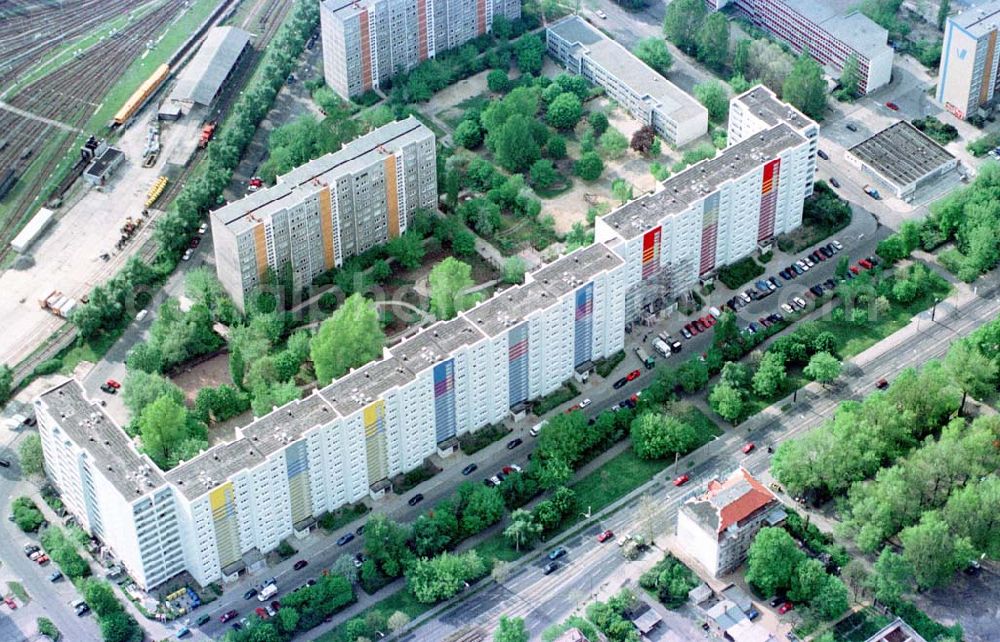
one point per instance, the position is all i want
(799, 301)
(584, 403)
(601, 14)
(802, 264)
(809, 261)
(835, 243)
(142, 314)
(202, 228)
(715, 312)
(787, 308)
(187, 254)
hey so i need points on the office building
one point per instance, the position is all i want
(649, 97)
(833, 30)
(717, 527)
(713, 213)
(367, 42)
(901, 158)
(217, 515)
(327, 210)
(969, 60)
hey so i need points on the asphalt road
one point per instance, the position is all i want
(543, 600)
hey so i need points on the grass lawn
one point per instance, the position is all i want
(454, 115)
(341, 517)
(91, 351)
(499, 548)
(398, 601)
(18, 590)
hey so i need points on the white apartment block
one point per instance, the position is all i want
(649, 97)
(717, 527)
(833, 30)
(365, 43)
(217, 515)
(327, 210)
(715, 212)
(969, 60)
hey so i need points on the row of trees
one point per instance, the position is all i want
(117, 624)
(969, 217)
(301, 610)
(63, 549)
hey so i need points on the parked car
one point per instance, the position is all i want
(620, 383)
(301, 564)
(777, 600)
(685, 332)
(826, 251)
(822, 154)
(114, 384)
(550, 568)
(882, 384)
(785, 608)
(715, 312)
(514, 443)
(511, 469)
(866, 264)
(141, 314)
(346, 538)
(416, 499)
(605, 536)
(55, 576)
(829, 284)
(775, 282)
(873, 260)
(29, 549)
(799, 301)
(249, 595)
(42, 560)
(748, 448)
(187, 254)
(586, 402)
(468, 470)
(834, 182)
(261, 612)
(108, 389)
(893, 106)
(852, 127)
(801, 264)
(203, 619)
(816, 290)
(787, 308)
(835, 243)
(557, 552)
(683, 479)
(228, 615)
(202, 228)
(832, 248)
(195, 241)
(601, 14)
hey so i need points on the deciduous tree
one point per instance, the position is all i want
(510, 629)
(713, 95)
(450, 282)
(565, 111)
(805, 88)
(712, 41)
(352, 336)
(653, 51)
(681, 23)
(772, 560)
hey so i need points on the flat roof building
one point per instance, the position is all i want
(201, 80)
(368, 42)
(897, 631)
(969, 60)
(833, 31)
(718, 526)
(329, 209)
(649, 97)
(901, 158)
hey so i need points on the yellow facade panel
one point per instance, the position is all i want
(326, 224)
(391, 197)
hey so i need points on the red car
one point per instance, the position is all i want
(9, 601)
(785, 608)
(605, 536)
(710, 320)
(882, 384)
(893, 106)
(632, 376)
(276, 605)
(866, 264)
(747, 449)
(855, 270)
(194, 242)
(680, 481)
(261, 612)
(42, 559)
(228, 615)
(114, 384)
(572, 408)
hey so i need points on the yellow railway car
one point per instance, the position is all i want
(141, 95)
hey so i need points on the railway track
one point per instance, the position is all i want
(69, 95)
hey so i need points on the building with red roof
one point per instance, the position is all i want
(717, 526)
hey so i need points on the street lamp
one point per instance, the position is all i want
(934, 309)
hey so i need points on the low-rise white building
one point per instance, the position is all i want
(717, 527)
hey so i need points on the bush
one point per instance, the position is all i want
(48, 367)
(589, 167)
(26, 515)
(550, 401)
(737, 274)
(47, 628)
(984, 144)
(937, 131)
(607, 365)
(670, 580)
(473, 442)
(63, 552)
(285, 550)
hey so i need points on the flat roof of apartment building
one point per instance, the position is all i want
(620, 62)
(354, 156)
(436, 343)
(680, 191)
(347, 8)
(901, 153)
(573, 270)
(979, 19)
(842, 20)
(762, 102)
(111, 450)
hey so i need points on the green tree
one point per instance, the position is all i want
(513, 270)
(449, 282)
(621, 189)
(27, 517)
(728, 401)
(972, 371)
(288, 618)
(529, 50)
(385, 544)
(397, 621)
(498, 82)
(890, 577)
(772, 560)
(555, 148)
(438, 578)
(543, 174)
(613, 143)
(6, 382)
(653, 51)
(823, 367)
(511, 629)
(483, 508)
(565, 111)
(407, 249)
(933, 552)
(598, 121)
(163, 426)
(713, 95)
(468, 134)
(352, 336)
(140, 389)
(770, 375)
(808, 580)
(514, 146)
(850, 76)
(805, 88)
(29, 454)
(237, 366)
(741, 57)
(681, 23)
(944, 8)
(832, 599)
(692, 375)
(589, 167)
(523, 528)
(712, 41)
(655, 435)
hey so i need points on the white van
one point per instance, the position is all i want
(267, 592)
(660, 346)
(537, 428)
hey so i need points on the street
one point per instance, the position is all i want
(543, 600)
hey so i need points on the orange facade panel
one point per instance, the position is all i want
(326, 225)
(260, 247)
(391, 196)
(366, 52)
(984, 89)
(422, 28)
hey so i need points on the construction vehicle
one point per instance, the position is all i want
(58, 304)
(207, 132)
